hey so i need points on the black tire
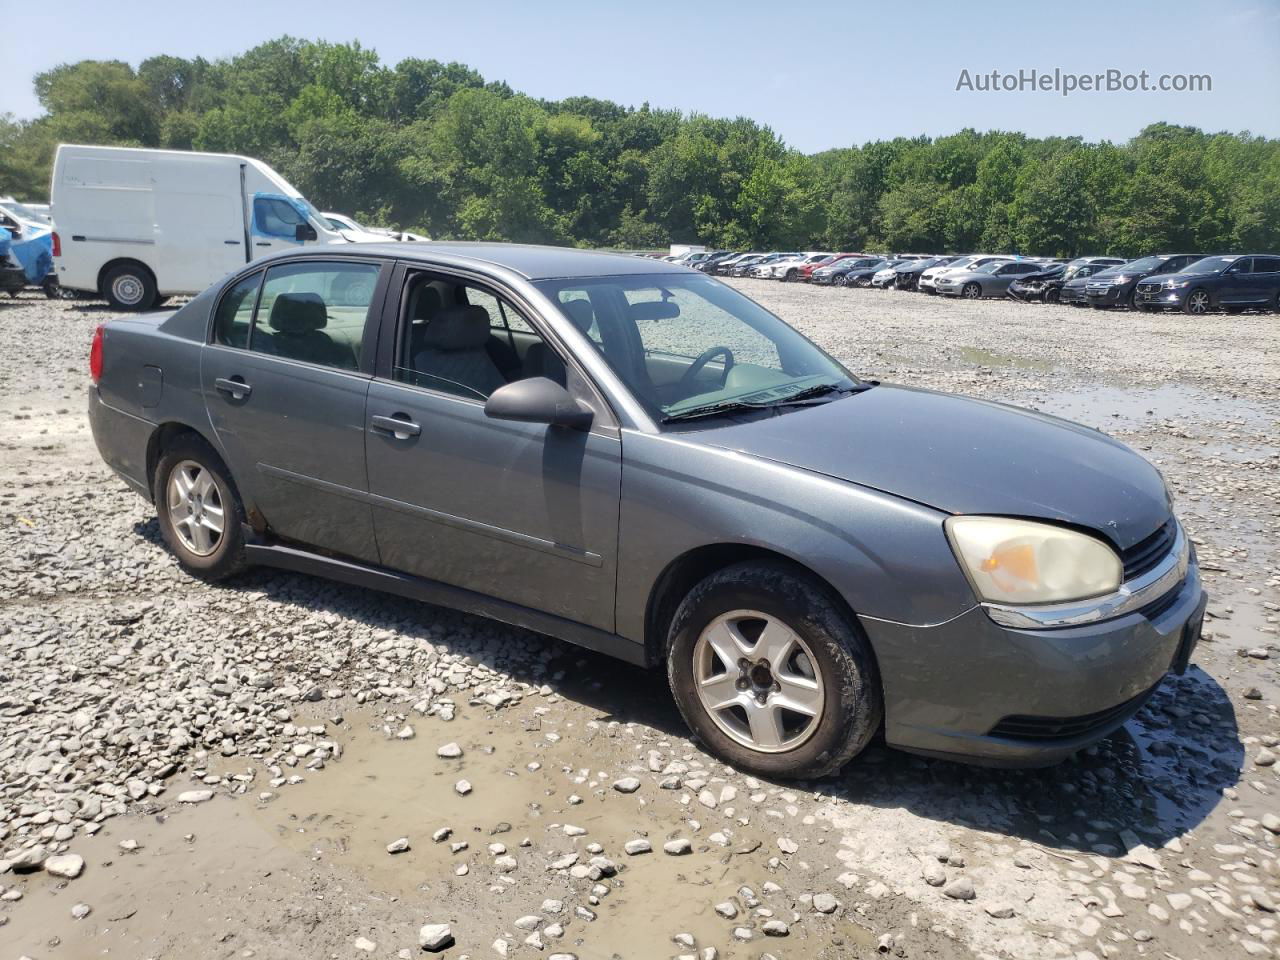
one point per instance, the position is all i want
(852, 701)
(1051, 296)
(227, 558)
(129, 286)
(789, 276)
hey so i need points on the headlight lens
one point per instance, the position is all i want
(1022, 562)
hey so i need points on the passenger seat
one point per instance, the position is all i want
(453, 351)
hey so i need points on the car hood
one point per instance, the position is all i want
(964, 456)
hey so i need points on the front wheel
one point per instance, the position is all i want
(199, 512)
(1197, 303)
(1051, 296)
(971, 291)
(771, 673)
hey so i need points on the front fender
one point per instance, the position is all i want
(887, 557)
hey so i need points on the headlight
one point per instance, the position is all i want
(1120, 281)
(1018, 561)
(1176, 284)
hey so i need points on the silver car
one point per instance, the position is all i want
(634, 457)
(990, 280)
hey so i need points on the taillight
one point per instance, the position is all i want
(57, 244)
(95, 353)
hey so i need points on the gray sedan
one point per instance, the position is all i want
(636, 458)
(989, 280)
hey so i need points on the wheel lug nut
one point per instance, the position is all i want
(742, 683)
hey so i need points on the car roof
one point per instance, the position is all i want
(528, 260)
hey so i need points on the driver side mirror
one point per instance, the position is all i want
(538, 400)
(304, 232)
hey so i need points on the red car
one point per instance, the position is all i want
(805, 273)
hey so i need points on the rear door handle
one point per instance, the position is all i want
(399, 426)
(234, 386)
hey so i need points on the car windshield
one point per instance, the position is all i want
(689, 346)
(1209, 265)
(1137, 266)
(23, 211)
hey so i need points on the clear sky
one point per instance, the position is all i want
(820, 74)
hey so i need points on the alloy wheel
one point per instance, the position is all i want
(971, 291)
(1198, 302)
(758, 681)
(195, 508)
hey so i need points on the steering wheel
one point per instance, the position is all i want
(705, 357)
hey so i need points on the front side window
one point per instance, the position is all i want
(276, 217)
(235, 313)
(461, 339)
(315, 312)
(687, 345)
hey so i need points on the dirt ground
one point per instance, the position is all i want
(315, 717)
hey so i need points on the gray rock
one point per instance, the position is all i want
(960, 888)
(825, 903)
(627, 785)
(677, 848)
(637, 846)
(450, 751)
(195, 796)
(398, 846)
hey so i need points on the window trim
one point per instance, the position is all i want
(606, 421)
(373, 319)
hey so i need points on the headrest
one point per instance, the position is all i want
(426, 301)
(654, 310)
(298, 313)
(463, 327)
(579, 313)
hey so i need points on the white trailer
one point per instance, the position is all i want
(137, 225)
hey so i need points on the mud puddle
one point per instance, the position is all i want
(1111, 408)
(531, 806)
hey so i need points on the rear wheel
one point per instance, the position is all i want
(771, 673)
(1197, 303)
(790, 275)
(129, 286)
(199, 512)
(971, 291)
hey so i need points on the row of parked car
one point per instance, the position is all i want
(1193, 283)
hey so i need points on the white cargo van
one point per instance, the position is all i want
(136, 225)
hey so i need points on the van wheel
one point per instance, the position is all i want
(199, 511)
(771, 673)
(129, 286)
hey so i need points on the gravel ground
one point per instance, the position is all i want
(226, 771)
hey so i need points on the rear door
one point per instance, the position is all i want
(1237, 282)
(285, 378)
(524, 512)
(1264, 281)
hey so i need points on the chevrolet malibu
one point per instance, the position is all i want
(634, 457)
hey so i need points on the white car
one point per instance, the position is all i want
(788, 269)
(357, 233)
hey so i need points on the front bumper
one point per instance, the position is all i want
(1160, 299)
(973, 690)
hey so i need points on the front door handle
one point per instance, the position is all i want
(399, 426)
(234, 386)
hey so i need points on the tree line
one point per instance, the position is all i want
(435, 147)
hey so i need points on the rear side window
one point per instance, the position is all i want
(1266, 264)
(315, 312)
(235, 313)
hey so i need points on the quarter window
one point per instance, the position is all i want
(235, 313)
(315, 312)
(1266, 264)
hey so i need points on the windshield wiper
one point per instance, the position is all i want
(805, 396)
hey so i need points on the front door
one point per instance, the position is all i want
(275, 224)
(285, 379)
(527, 513)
